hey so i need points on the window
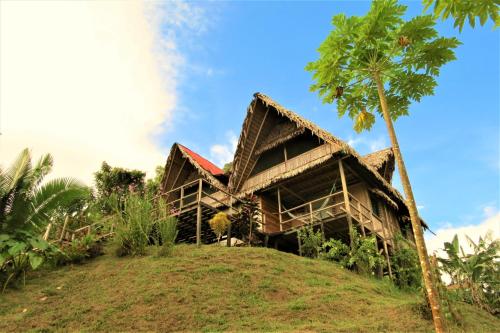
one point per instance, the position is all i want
(375, 205)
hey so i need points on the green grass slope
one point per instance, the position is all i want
(216, 289)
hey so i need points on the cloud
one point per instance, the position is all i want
(474, 231)
(224, 153)
(89, 81)
(367, 145)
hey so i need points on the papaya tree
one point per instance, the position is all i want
(379, 64)
(464, 10)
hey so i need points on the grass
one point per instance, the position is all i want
(214, 289)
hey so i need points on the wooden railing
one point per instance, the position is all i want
(323, 209)
(182, 201)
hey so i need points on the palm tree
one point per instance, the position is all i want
(26, 203)
(26, 206)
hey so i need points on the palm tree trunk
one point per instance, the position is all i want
(412, 207)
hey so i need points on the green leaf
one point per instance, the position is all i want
(35, 260)
(17, 248)
(39, 244)
(4, 237)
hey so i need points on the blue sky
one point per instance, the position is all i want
(450, 141)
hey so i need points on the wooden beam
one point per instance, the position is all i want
(300, 244)
(164, 183)
(179, 173)
(293, 193)
(385, 242)
(346, 200)
(198, 214)
(253, 148)
(279, 208)
(230, 222)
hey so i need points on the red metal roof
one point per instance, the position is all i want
(204, 163)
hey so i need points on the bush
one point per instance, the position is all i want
(219, 224)
(310, 241)
(405, 264)
(362, 256)
(79, 250)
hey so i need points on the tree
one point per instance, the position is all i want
(26, 206)
(465, 9)
(153, 184)
(219, 224)
(381, 63)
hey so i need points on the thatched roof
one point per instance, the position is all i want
(281, 133)
(371, 168)
(382, 161)
(206, 169)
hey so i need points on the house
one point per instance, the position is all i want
(300, 175)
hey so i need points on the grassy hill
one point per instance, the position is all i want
(216, 289)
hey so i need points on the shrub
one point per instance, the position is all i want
(310, 241)
(362, 256)
(79, 250)
(405, 264)
(133, 217)
(219, 224)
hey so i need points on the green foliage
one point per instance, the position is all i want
(476, 275)
(228, 167)
(133, 217)
(21, 252)
(153, 184)
(465, 9)
(405, 264)
(407, 55)
(362, 256)
(79, 250)
(219, 224)
(26, 207)
(119, 181)
(310, 241)
(167, 230)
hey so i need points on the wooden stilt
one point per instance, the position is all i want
(230, 222)
(389, 268)
(300, 244)
(47, 232)
(266, 241)
(346, 200)
(66, 220)
(279, 209)
(198, 213)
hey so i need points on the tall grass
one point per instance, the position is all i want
(166, 226)
(134, 224)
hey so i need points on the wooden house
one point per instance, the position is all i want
(300, 175)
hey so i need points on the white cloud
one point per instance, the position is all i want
(365, 144)
(89, 81)
(474, 231)
(224, 153)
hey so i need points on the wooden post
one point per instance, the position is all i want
(47, 232)
(198, 214)
(266, 241)
(374, 232)
(322, 231)
(230, 222)
(311, 212)
(279, 209)
(346, 199)
(182, 199)
(66, 220)
(300, 244)
(385, 242)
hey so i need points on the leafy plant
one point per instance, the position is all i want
(405, 265)
(476, 275)
(26, 207)
(219, 224)
(465, 9)
(310, 241)
(79, 250)
(362, 256)
(134, 219)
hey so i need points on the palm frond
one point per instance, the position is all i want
(19, 169)
(53, 194)
(42, 168)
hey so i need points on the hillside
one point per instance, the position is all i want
(216, 289)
